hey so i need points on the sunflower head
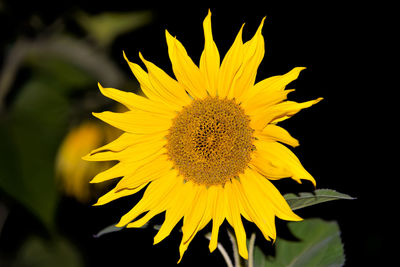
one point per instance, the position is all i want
(206, 144)
(210, 141)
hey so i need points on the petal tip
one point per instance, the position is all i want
(96, 204)
(296, 218)
(156, 240)
(124, 55)
(167, 34)
(261, 24)
(96, 114)
(87, 157)
(102, 90)
(296, 143)
(120, 224)
(263, 19)
(316, 101)
(142, 59)
(209, 13)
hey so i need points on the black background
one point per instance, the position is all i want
(339, 44)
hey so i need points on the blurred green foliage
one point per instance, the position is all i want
(105, 27)
(34, 123)
(31, 135)
(39, 252)
(39, 83)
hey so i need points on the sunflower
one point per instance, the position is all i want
(206, 145)
(73, 174)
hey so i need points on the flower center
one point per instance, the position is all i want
(210, 141)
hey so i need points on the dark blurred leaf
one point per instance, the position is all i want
(306, 199)
(105, 27)
(30, 138)
(37, 252)
(79, 55)
(62, 62)
(59, 73)
(318, 244)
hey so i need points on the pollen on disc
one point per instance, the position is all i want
(210, 141)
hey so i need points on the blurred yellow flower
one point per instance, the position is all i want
(206, 145)
(72, 172)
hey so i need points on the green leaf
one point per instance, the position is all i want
(260, 260)
(306, 199)
(318, 244)
(30, 136)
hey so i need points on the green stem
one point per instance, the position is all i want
(237, 259)
(251, 249)
(222, 251)
(234, 248)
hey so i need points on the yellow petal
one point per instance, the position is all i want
(291, 108)
(178, 206)
(230, 66)
(136, 121)
(241, 203)
(146, 173)
(266, 167)
(115, 171)
(271, 85)
(184, 69)
(283, 158)
(234, 219)
(155, 193)
(253, 54)
(193, 220)
(269, 197)
(279, 112)
(146, 86)
(160, 205)
(126, 140)
(134, 153)
(122, 142)
(114, 194)
(208, 213)
(264, 221)
(157, 207)
(169, 89)
(134, 101)
(264, 101)
(125, 168)
(273, 132)
(209, 61)
(218, 214)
